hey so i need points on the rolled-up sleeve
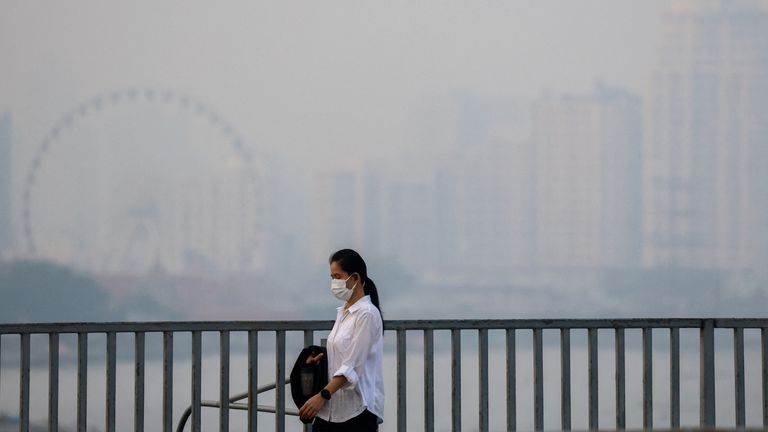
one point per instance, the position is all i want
(363, 338)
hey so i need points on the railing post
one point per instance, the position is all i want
(138, 386)
(621, 405)
(738, 369)
(511, 381)
(483, 378)
(565, 379)
(111, 381)
(280, 381)
(674, 378)
(309, 339)
(429, 381)
(707, 372)
(738, 379)
(253, 355)
(538, 380)
(224, 381)
(401, 390)
(167, 381)
(196, 380)
(24, 384)
(82, 381)
(53, 382)
(764, 358)
(456, 380)
(592, 394)
(647, 378)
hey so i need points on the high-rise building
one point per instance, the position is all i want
(6, 233)
(408, 222)
(374, 210)
(705, 178)
(484, 189)
(207, 224)
(588, 176)
(337, 213)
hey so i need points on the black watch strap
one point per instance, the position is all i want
(325, 394)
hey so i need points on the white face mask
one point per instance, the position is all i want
(339, 289)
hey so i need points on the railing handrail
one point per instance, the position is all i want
(429, 324)
(233, 405)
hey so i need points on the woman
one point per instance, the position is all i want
(353, 400)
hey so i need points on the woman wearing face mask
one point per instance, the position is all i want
(353, 399)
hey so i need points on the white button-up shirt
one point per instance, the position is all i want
(355, 350)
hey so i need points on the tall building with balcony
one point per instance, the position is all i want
(705, 181)
(587, 174)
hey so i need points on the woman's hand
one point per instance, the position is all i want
(311, 407)
(314, 359)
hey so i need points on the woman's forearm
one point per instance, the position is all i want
(336, 383)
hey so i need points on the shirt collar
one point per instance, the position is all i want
(363, 301)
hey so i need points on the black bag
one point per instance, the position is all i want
(308, 379)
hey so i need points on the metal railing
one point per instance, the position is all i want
(510, 328)
(234, 404)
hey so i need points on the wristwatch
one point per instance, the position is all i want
(325, 394)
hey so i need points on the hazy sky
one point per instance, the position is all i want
(313, 80)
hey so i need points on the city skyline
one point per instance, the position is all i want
(550, 183)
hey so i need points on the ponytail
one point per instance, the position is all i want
(369, 288)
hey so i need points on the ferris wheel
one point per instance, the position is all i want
(139, 178)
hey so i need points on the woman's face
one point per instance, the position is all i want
(338, 273)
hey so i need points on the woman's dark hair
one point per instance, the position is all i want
(351, 262)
